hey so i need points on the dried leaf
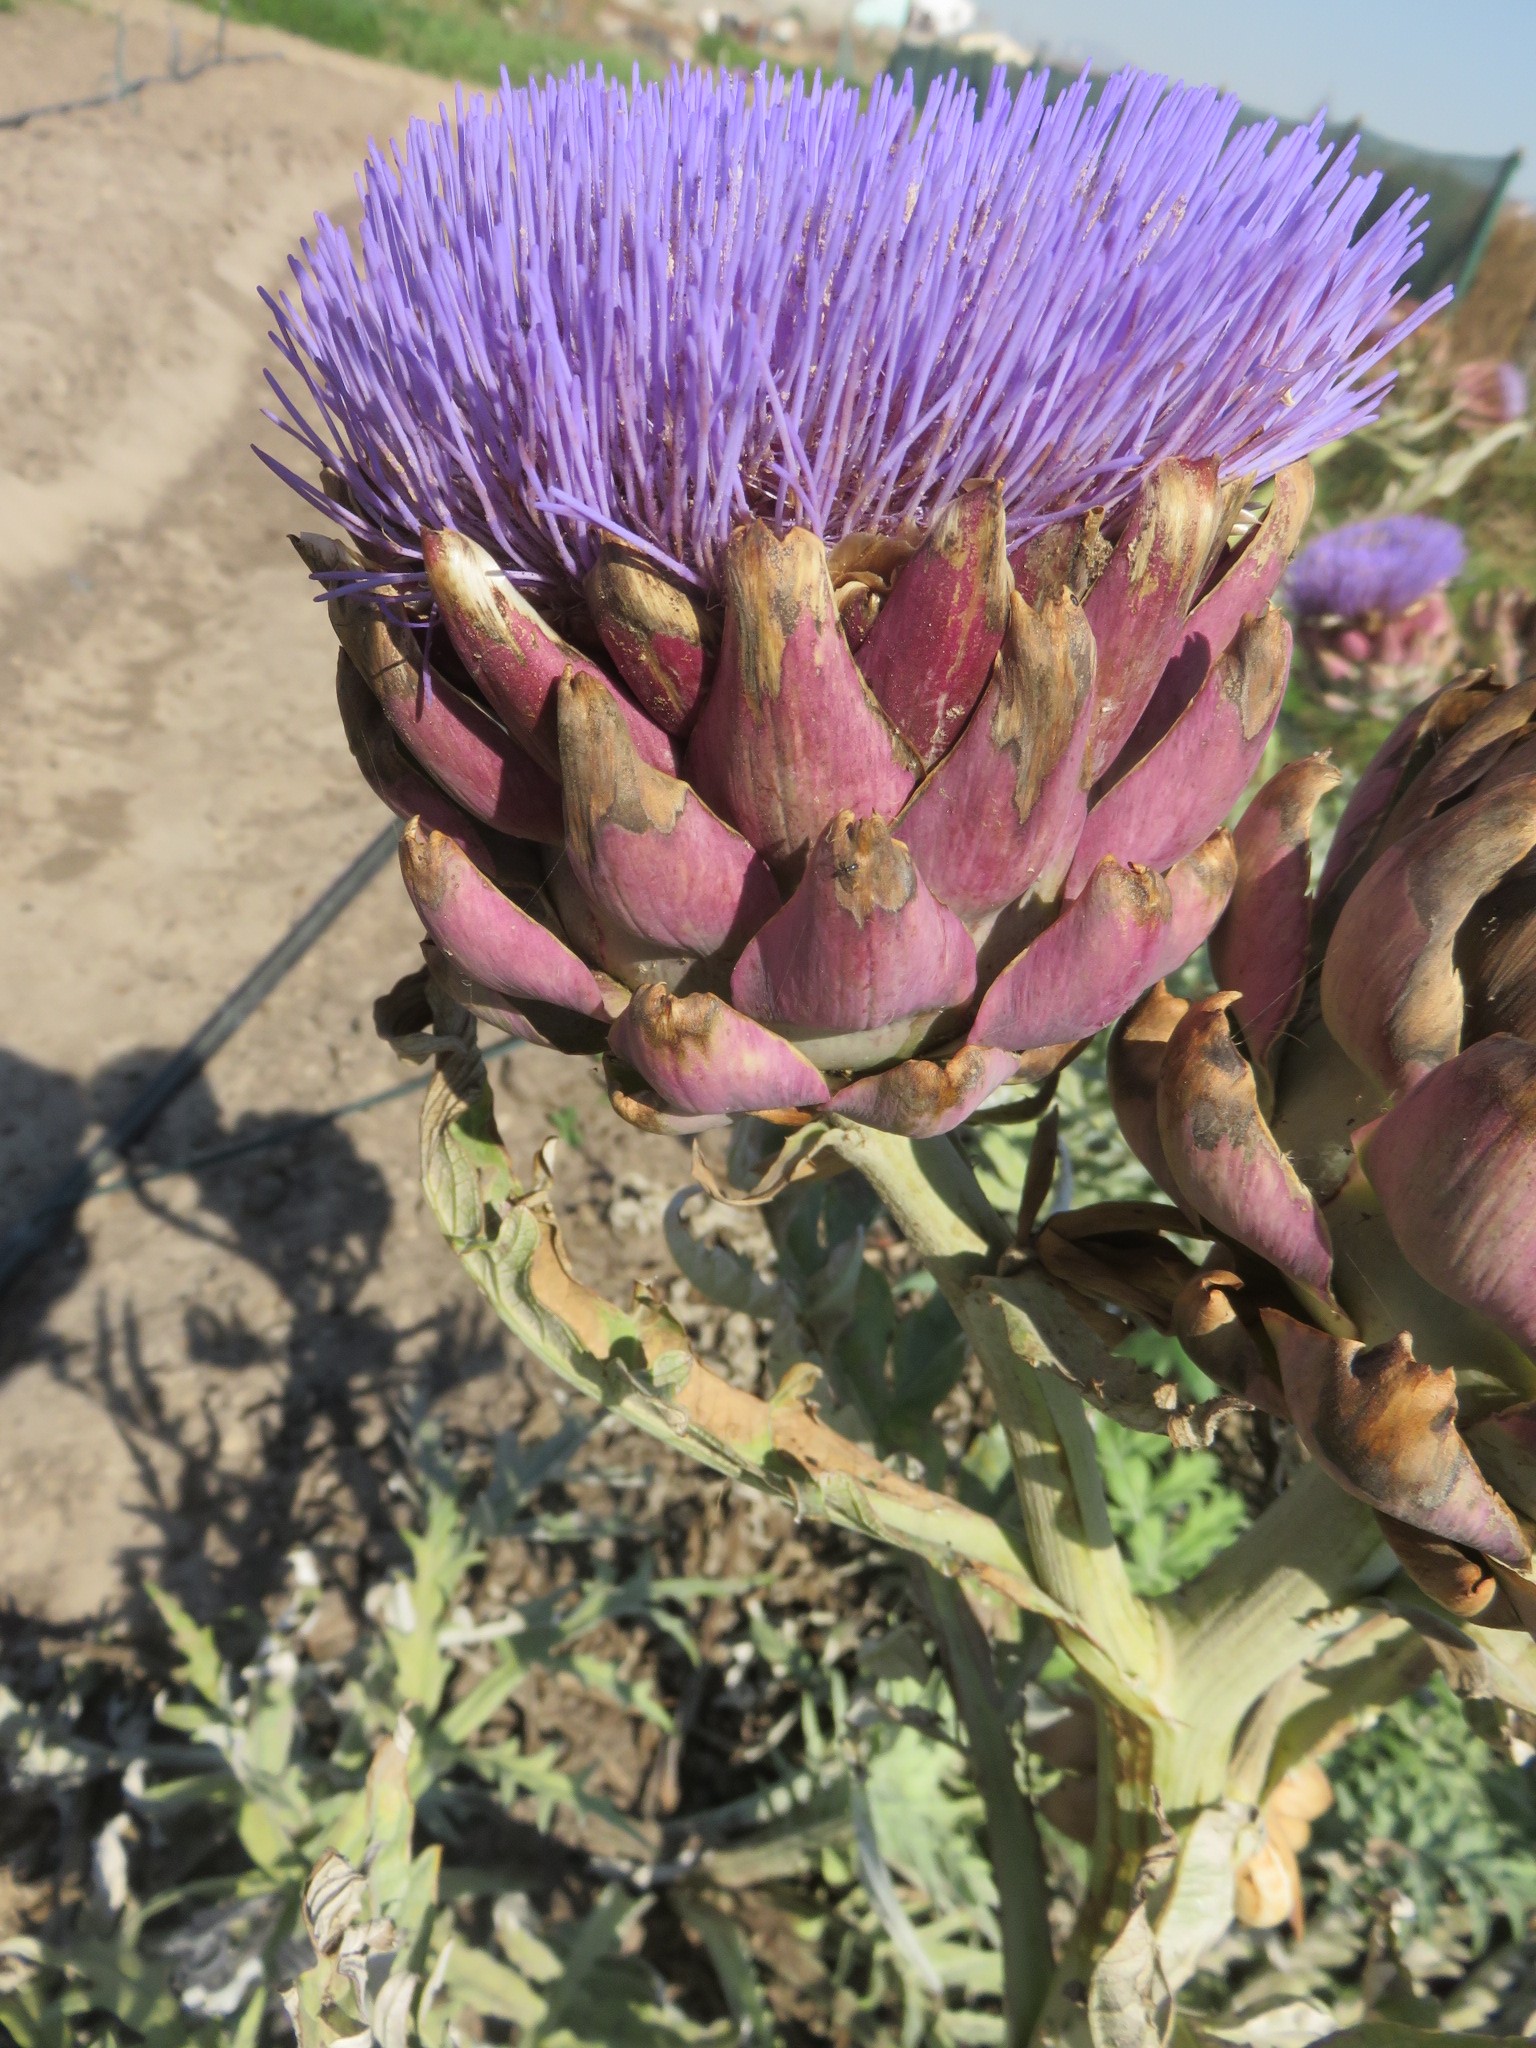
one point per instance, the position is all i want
(1383, 1424)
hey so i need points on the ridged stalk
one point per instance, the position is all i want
(933, 1197)
(1176, 1682)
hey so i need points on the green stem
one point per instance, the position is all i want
(961, 1234)
(1371, 1664)
(1013, 1839)
(637, 1361)
(1272, 1599)
(928, 1186)
(1061, 1490)
(935, 1200)
(1174, 1679)
(1153, 1774)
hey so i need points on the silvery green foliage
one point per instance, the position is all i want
(878, 1757)
(322, 1900)
(318, 1892)
(1423, 1879)
(865, 1830)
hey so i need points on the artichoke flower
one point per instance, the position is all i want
(793, 571)
(1371, 610)
(1352, 1120)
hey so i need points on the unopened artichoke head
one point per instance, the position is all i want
(1352, 1119)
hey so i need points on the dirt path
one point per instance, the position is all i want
(196, 1374)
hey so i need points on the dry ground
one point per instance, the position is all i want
(201, 1371)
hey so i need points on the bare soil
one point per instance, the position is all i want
(208, 1368)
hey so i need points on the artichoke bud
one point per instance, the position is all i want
(1354, 1120)
(870, 825)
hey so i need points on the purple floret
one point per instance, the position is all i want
(1379, 566)
(584, 309)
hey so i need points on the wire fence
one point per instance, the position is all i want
(125, 83)
(133, 1176)
(104, 1167)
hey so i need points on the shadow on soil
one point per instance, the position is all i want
(234, 1476)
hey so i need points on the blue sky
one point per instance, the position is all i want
(1447, 74)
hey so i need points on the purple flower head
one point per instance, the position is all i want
(1375, 566)
(586, 310)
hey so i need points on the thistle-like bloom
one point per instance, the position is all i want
(649, 314)
(1353, 1121)
(1370, 602)
(1374, 568)
(796, 575)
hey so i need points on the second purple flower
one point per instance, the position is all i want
(1370, 604)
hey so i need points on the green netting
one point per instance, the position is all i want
(1464, 192)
